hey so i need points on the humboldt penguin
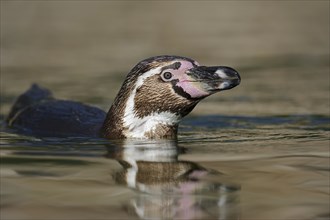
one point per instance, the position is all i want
(156, 94)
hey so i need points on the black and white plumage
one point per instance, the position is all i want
(156, 94)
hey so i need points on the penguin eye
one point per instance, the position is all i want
(167, 75)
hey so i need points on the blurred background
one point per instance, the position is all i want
(83, 50)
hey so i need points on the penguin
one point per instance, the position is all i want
(154, 97)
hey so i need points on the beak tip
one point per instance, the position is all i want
(230, 76)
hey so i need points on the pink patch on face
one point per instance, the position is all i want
(188, 85)
(180, 73)
(192, 89)
(185, 65)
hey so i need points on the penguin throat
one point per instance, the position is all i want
(156, 125)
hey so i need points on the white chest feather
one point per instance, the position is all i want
(139, 127)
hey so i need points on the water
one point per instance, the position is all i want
(232, 168)
(259, 151)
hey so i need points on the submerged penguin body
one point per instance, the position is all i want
(36, 112)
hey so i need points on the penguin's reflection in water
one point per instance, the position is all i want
(170, 188)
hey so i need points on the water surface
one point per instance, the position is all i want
(222, 167)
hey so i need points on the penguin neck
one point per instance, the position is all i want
(122, 121)
(119, 125)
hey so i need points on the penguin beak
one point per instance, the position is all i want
(215, 78)
(202, 81)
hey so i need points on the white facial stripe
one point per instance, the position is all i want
(222, 74)
(129, 109)
(137, 127)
